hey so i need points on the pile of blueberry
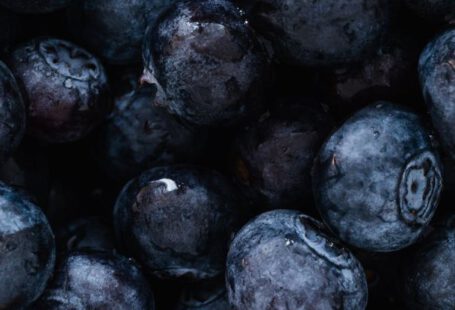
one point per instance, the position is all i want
(227, 154)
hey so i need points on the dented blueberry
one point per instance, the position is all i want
(97, 280)
(207, 62)
(27, 250)
(65, 87)
(285, 260)
(377, 179)
(177, 221)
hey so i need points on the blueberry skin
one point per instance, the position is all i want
(114, 29)
(320, 33)
(208, 62)
(12, 114)
(65, 87)
(138, 136)
(377, 179)
(274, 156)
(97, 280)
(27, 250)
(430, 277)
(177, 221)
(283, 259)
(35, 6)
(437, 76)
(434, 10)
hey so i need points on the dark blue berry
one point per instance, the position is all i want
(65, 87)
(314, 33)
(377, 179)
(284, 260)
(177, 221)
(114, 29)
(27, 250)
(430, 276)
(35, 6)
(97, 280)
(208, 63)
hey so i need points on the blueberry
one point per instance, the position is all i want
(207, 61)
(66, 89)
(114, 29)
(12, 114)
(139, 135)
(274, 156)
(436, 71)
(434, 10)
(389, 74)
(91, 232)
(377, 179)
(315, 33)
(35, 6)
(430, 276)
(27, 250)
(206, 296)
(177, 221)
(97, 280)
(284, 260)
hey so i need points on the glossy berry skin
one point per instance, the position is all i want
(177, 221)
(97, 280)
(12, 114)
(114, 29)
(430, 277)
(138, 136)
(320, 33)
(435, 10)
(283, 259)
(27, 250)
(274, 156)
(437, 76)
(208, 62)
(35, 6)
(65, 87)
(377, 179)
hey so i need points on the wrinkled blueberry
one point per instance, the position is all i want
(207, 61)
(284, 260)
(12, 114)
(320, 32)
(377, 179)
(434, 10)
(35, 6)
(177, 221)
(86, 233)
(114, 29)
(139, 135)
(430, 276)
(437, 77)
(97, 280)
(65, 86)
(27, 250)
(275, 155)
(207, 296)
